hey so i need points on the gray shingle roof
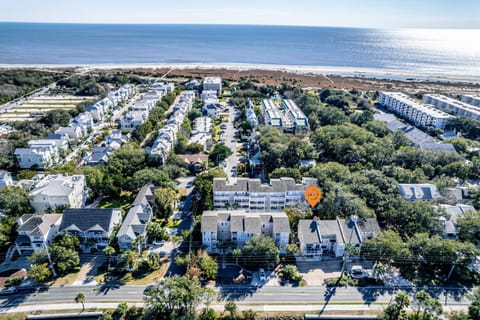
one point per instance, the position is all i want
(367, 225)
(145, 195)
(311, 231)
(209, 221)
(236, 222)
(252, 224)
(38, 223)
(280, 223)
(308, 231)
(241, 221)
(135, 221)
(417, 136)
(457, 210)
(349, 232)
(86, 218)
(254, 185)
(443, 147)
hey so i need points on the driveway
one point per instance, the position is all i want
(89, 269)
(315, 272)
(185, 214)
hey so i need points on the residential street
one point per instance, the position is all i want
(100, 126)
(231, 142)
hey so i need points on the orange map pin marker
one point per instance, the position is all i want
(313, 194)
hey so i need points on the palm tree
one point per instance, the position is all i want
(231, 307)
(80, 298)
(138, 242)
(236, 253)
(129, 260)
(153, 259)
(379, 270)
(109, 251)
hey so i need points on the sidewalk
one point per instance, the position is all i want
(309, 308)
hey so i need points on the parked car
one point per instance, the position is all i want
(356, 272)
(9, 290)
(261, 274)
(158, 243)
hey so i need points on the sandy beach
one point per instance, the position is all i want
(390, 74)
(369, 79)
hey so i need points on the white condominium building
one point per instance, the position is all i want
(213, 84)
(295, 114)
(459, 108)
(420, 114)
(59, 191)
(272, 115)
(252, 195)
(238, 227)
(473, 99)
(286, 115)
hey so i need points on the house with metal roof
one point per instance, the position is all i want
(419, 191)
(237, 227)
(36, 231)
(134, 226)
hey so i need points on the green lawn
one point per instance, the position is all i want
(173, 223)
(124, 201)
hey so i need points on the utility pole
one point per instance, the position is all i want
(50, 262)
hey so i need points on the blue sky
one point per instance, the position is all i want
(349, 13)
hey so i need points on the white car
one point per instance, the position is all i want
(261, 274)
(357, 272)
(158, 243)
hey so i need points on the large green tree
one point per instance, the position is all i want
(175, 298)
(204, 185)
(219, 153)
(260, 251)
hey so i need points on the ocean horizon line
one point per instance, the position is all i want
(227, 25)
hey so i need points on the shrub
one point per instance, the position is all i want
(290, 273)
(12, 282)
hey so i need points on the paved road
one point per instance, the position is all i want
(230, 142)
(245, 294)
(16, 102)
(99, 127)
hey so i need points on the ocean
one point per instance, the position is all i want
(445, 51)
